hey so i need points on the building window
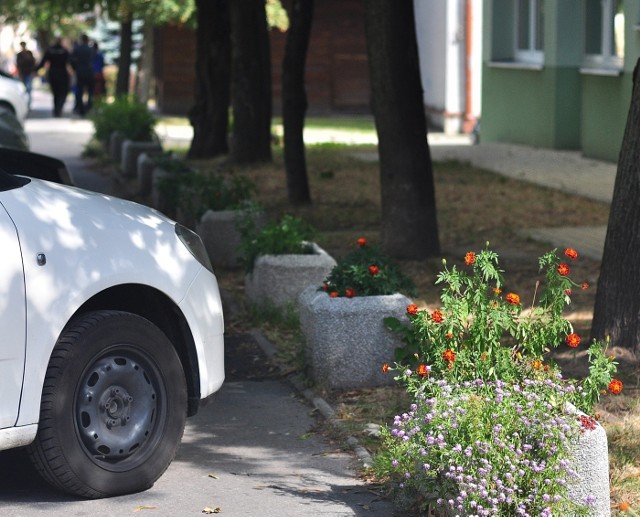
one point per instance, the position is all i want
(529, 44)
(604, 34)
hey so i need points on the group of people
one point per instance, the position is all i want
(84, 64)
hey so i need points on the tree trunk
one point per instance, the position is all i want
(145, 67)
(409, 223)
(210, 114)
(124, 60)
(250, 82)
(617, 305)
(294, 101)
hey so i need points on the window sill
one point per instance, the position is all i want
(516, 65)
(603, 72)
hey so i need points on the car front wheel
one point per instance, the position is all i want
(113, 406)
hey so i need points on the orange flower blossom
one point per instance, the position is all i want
(571, 253)
(573, 340)
(385, 367)
(470, 258)
(437, 316)
(615, 386)
(563, 269)
(362, 242)
(449, 355)
(333, 294)
(423, 370)
(513, 299)
(412, 308)
(374, 270)
(350, 292)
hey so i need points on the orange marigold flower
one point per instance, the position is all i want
(615, 386)
(412, 308)
(573, 340)
(449, 335)
(449, 355)
(537, 364)
(385, 367)
(362, 242)
(563, 269)
(437, 316)
(349, 292)
(374, 270)
(423, 370)
(584, 286)
(611, 357)
(497, 290)
(624, 507)
(513, 299)
(483, 357)
(470, 258)
(333, 294)
(571, 253)
(567, 292)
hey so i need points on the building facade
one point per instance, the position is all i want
(559, 74)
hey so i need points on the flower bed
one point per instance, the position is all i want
(493, 428)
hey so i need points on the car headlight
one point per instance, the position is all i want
(194, 244)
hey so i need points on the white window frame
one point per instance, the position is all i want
(531, 54)
(607, 59)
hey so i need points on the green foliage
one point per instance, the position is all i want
(289, 235)
(195, 192)
(132, 118)
(367, 272)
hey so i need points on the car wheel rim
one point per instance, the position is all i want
(120, 409)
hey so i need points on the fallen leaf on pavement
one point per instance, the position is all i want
(140, 508)
(208, 510)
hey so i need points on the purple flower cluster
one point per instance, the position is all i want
(487, 448)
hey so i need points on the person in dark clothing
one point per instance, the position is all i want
(82, 63)
(26, 65)
(57, 59)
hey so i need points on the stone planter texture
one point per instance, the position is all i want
(115, 145)
(591, 462)
(158, 200)
(278, 280)
(130, 152)
(146, 164)
(347, 342)
(220, 236)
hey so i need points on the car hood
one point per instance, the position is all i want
(93, 241)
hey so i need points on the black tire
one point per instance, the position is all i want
(108, 371)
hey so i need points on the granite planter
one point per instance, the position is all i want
(278, 280)
(131, 149)
(347, 342)
(221, 237)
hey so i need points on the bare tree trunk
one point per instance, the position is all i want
(124, 60)
(294, 101)
(210, 114)
(250, 82)
(617, 307)
(409, 221)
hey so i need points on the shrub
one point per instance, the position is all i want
(125, 114)
(366, 272)
(289, 235)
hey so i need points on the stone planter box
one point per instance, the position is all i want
(219, 233)
(347, 342)
(115, 145)
(130, 152)
(278, 280)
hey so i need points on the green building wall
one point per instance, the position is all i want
(555, 105)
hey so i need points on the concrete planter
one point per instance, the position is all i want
(115, 145)
(219, 233)
(278, 280)
(347, 342)
(130, 152)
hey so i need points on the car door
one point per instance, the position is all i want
(12, 321)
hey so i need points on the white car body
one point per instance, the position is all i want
(14, 97)
(66, 251)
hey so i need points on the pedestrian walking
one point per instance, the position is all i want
(26, 65)
(82, 64)
(100, 85)
(57, 61)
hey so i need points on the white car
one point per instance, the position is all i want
(112, 334)
(14, 97)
